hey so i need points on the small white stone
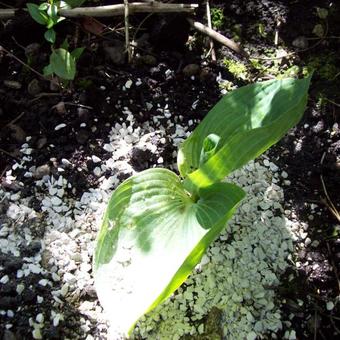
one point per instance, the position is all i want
(330, 305)
(55, 277)
(97, 171)
(52, 191)
(128, 84)
(59, 127)
(56, 201)
(284, 174)
(43, 282)
(40, 318)
(4, 279)
(251, 336)
(95, 159)
(64, 289)
(57, 319)
(20, 288)
(292, 335)
(40, 299)
(108, 147)
(10, 313)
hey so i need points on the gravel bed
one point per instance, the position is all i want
(47, 243)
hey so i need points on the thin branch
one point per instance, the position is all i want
(22, 62)
(212, 49)
(218, 37)
(127, 35)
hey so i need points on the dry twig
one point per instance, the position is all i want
(212, 49)
(218, 37)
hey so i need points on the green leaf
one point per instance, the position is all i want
(47, 70)
(44, 6)
(65, 45)
(248, 120)
(63, 64)
(39, 16)
(77, 52)
(50, 35)
(209, 148)
(153, 234)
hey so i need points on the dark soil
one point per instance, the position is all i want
(31, 106)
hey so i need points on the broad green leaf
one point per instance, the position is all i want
(152, 236)
(50, 35)
(39, 16)
(248, 121)
(63, 64)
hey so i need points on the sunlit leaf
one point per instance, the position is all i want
(248, 121)
(153, 234)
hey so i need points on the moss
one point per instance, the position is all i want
(237, 69)
(217, 17)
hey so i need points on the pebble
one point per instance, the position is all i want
(41, 171)
(40, 318)
(330, 305)
(128, 84)
(60, 126)
(56, 201)
(95, 159)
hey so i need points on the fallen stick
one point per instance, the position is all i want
(218, 37)
(7, 13)
(114, 10)
(135, 7)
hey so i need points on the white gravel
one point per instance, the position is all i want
(238, 274)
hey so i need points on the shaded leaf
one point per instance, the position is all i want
(50, 35)
(63, 64)
(39, 16)
(77, 52)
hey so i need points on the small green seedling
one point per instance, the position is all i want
(158, 225)
(62, 62)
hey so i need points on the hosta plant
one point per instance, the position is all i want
(158, 224)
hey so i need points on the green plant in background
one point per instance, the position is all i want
(236, 68)
(158, 225)
(217, 17)
(62, 62)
